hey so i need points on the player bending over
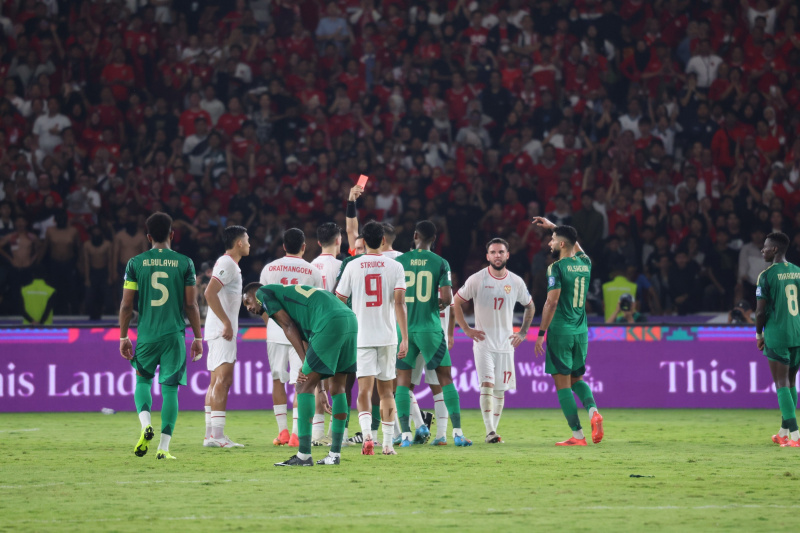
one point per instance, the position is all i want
(425, 275)
(564, 322)
(778, 330)
(223, 295)
(377, 286)
(167, 281)
(291, 269)
(495, 290)
(316, 316)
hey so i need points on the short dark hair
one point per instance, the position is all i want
(231, 234)
(568, 233)
(780, 239)
(373, 233)
(293, 240)
(327, 233)
(251, 287)
(426, 230)
(497, 240)
(388, 232)
(159, 226)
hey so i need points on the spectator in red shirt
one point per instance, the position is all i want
(188, 117)
(118, 75)
(232, 121)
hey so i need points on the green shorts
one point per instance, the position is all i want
(333, 349)
(169, 353)
(566, 354)
(786, 356)
(432, 346)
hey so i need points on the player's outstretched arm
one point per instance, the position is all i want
(125, 315)
(193, 314)
(518, 337)
(761, 321)
(401, 313)
(474, 334)
(548, 312)
(351, 220)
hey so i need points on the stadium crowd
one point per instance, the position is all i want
(665, 131)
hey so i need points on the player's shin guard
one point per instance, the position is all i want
(306, 404)
(339, 407)
(403, 401)
(584, 392)
(143, 399)
(787, 408)
(569, 408)
(453, 403)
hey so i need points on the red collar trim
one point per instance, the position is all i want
(489, 269)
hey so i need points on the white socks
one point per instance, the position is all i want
(294, 421)
(397, 429)
(592, 411)
(440, 409)
(498, 399)
(416, 414)
(782, 433)
(144, 418)
(578, 434)
(795, 436)
(486, 408)
(365, 421)
(303, 456)
(457, 432)
(318, 427)
(164, 444)
(217, 424)
(388, 433)
(280, 416)
(208, 421)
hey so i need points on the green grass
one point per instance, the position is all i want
(711, 468)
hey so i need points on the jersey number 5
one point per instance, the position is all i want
(373, 286)
(163, 289)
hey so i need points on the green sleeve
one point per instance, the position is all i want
(130, 276)
(553, 277)
(268, 300)
(445, 280)
(584, 258)
(762, 287)
(189, 277)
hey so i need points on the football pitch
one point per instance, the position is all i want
(701, 468)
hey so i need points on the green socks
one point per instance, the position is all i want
(337, 426)
(403, 400)
(787, 406)
(584, 392)
(453, 404)
(376, 418)
(142, 395)
(569, 408)
(793, 391)
(305, 412)
(169, 408)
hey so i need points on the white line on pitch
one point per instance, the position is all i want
(18, 430)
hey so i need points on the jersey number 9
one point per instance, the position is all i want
(373, 286)
(424, 284)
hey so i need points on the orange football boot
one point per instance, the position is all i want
(368, 448)
(597, 427)
(780, 441)
(282, 439)
(791, 444)
(572, 442)
(294, 442)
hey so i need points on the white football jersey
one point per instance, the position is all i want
(494, 300)
(288, 271)
(328, 267)
(394, 254)
(227, 272)
(371, 281)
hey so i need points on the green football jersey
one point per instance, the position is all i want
(779, 285)
(345, 262)
(311, 308)
(160, 276)
(571, 275)
(425, 273)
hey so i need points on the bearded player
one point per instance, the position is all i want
(564, 323)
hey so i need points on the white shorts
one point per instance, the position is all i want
(495, 367)
(378, 361)
(220, 351)
(281, 357)
(416, 373)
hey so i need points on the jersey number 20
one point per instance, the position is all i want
(424, 284)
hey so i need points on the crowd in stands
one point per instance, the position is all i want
(665, 131)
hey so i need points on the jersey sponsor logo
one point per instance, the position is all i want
(758, 291)
(221, 272)
(507, 288)
(488, 286)
(289, 268)
(551, 281)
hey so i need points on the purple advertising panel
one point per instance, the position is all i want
(637, 367)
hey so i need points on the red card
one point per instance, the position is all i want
(362, 181)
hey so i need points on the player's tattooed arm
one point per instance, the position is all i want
(548, 312)
(518, 337)
(761, 321)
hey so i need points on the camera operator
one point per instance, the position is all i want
(741, 314)
(626, 312)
